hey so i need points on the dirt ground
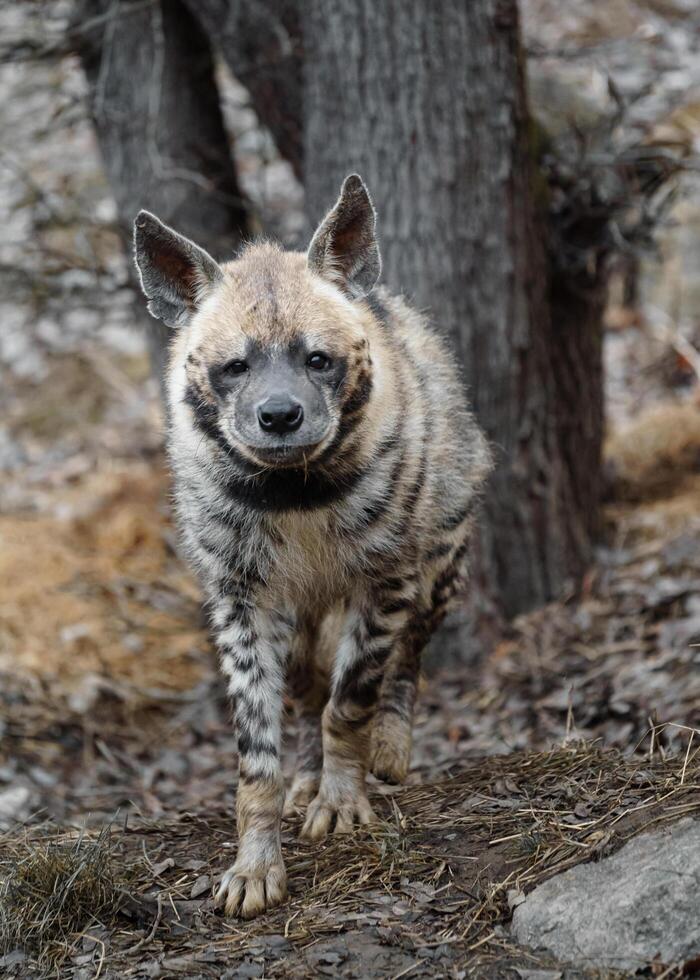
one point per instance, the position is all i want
(427, 893)
(578, 729)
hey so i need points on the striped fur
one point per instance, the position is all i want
(324, 578)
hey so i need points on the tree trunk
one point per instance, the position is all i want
(260, 40)
(156, 110)
(428, 103)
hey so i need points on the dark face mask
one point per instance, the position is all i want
(280, 404)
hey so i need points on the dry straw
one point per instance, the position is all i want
(461, 851)
(52, 889)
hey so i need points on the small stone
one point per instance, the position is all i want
(13, 958)
(244, 970)
(201, 885)
(538, 974)
(193, 865)
(162, 866)
(12, 803)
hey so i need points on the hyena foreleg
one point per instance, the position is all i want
(253, 645)
(308, 686)
(370, 635)
(392, 732)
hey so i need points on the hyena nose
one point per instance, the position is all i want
(280, 413)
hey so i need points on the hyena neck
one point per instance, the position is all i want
(266, 490)
(279, 491)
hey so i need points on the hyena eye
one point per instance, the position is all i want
(235, 367)
(318, 361)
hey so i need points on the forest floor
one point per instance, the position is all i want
(577, 730)
(573, 734)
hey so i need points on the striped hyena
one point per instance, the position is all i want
(326, 468)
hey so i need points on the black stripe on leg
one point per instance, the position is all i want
(248, 743)
(361, 681)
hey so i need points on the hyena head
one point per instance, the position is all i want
(274, 344)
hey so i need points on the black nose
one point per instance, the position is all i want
(280, 413)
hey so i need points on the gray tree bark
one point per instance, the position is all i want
(260, 40)
(155, 107)
(428, 102)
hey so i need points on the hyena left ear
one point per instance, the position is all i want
(175, 273)
(344, 249)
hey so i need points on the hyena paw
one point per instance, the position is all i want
(390, 752)
(302, 791)
(248, 892)
(326, 813)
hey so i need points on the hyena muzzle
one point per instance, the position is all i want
(326, 469)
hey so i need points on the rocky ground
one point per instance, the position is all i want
(576, 733)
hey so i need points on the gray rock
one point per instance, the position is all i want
(620, 913)
(14, 804)
(538, 974)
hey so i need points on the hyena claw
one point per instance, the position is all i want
(248, 894)
(302, 791)
(324, 816)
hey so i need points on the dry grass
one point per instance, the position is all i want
(654, 454)
(457, 851)
(54, 888)
(92, 587)
(517, 820)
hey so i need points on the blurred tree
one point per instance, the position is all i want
(428, 102)
(155, 107)
(260, 41)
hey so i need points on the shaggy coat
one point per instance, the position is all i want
(326, 471)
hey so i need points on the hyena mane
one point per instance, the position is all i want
(326, 469)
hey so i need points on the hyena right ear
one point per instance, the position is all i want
(175, 273)
(344, 249)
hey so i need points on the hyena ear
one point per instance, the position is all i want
(175, 273)
(344, 249)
